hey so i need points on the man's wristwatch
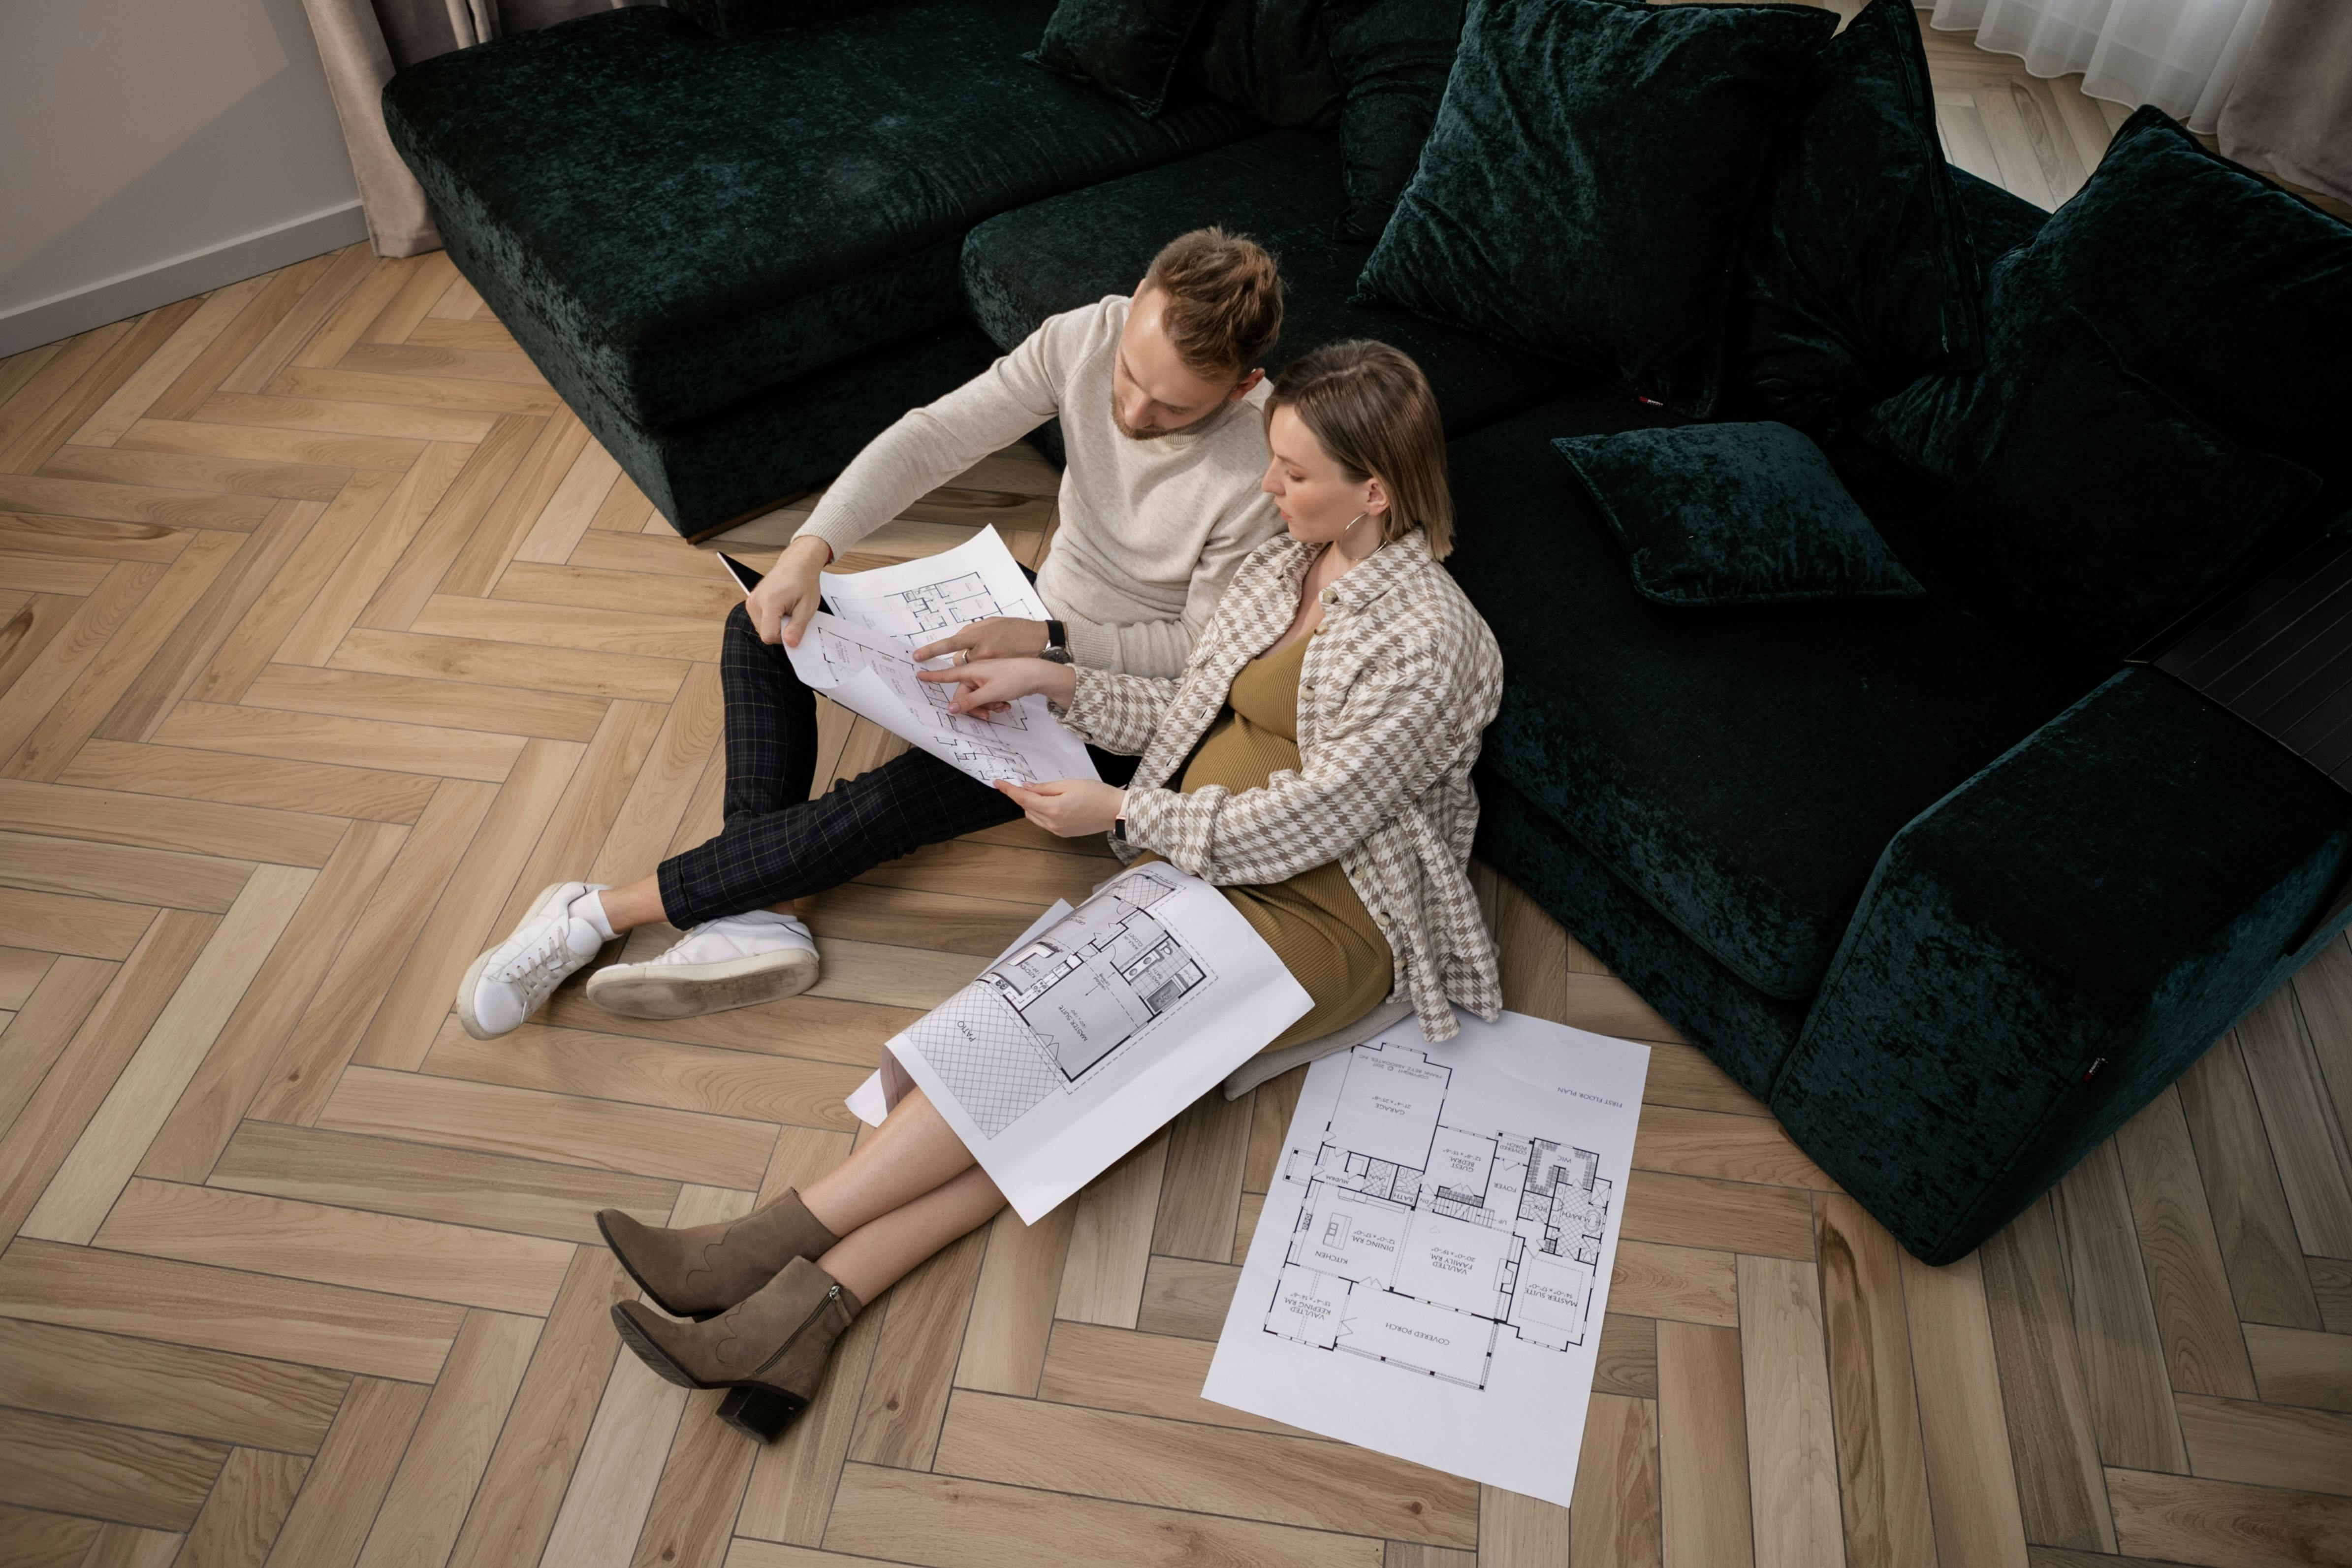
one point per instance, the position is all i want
(1057, 644)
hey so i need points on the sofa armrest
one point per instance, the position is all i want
(2044, 949)
(746, 18)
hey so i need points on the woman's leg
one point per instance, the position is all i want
(873, 1257)
(912, 1152)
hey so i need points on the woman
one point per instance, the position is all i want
(1313, 761)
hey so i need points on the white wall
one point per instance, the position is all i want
(151, 150)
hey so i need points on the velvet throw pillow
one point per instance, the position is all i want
(1734, 514)
(1268, 56)
(2103, 509)
(1127, 47)
(1391, 57)
(1586, 185)
(1857, 275)
(2232, 294)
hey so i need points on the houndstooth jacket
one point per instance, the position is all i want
(1393, 696)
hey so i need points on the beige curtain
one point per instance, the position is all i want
(363, 42)
(2290, 112)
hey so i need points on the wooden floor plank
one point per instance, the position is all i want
(1882, 1465)
(434, 1486)
(264, 445)
(458, 926)
(218, 1309)
(2267, 1445)
(2315, 1158)
(914, 1364)
(476, 661)
(400, 698)
(1688, 1283)
(1703, 1460)
(1110, 1239)
(312, 737)
(1615, 1515)
(1971, 1482)
(249, 1045)
(523, 1484)
(1140, 1375)
(691, 1520)
(1250, 1475)
(149, 1478)
(2045, 1398)
(423, 1181)
(1726, 1216)
(2220, 1525)
(200, 827)
(495, 1270)
(2295, 1367)
(653, 1072)
(1792, 1451)
(2182, 1254)
(246, 781)
(950, 1522)
(1006, 1340)
(340, 1497)
(55, 1115)
(603, 1134)
(120, 873)
(2114, 1320)
(31, 1539)
(245, 1510)
(611, 1489)
(2252, 1224)
(211, 1394)
(60, 923)
(93, 1173)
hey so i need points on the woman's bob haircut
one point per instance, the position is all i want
(1372, 408)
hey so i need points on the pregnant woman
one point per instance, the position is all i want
(1312, 761)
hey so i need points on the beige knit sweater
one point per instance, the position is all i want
(1150, 531)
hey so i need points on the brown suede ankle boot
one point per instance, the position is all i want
(702, 1270)
(771, 1349)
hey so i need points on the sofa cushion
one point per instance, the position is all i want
(741, 18)
(1268, 56)
(1127, 47)
(1591, 169)
(1393, 58)
(1282, 187)
(1740, 769)
(2100, 508)
(1734, 514)
(2232, 294)
(699, 219)
(1857, 275)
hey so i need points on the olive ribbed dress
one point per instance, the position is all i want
(1314, 921)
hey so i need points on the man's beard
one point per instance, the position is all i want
(1119, 422)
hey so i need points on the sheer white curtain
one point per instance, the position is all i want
(2178, 55)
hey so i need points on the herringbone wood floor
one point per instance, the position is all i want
(330, 636)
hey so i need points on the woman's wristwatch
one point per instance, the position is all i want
(1118, 823)
(1057, 644)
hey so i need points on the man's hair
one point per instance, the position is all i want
(1224, 301)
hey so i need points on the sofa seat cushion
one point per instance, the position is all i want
(1740, 768)
(1282, 189)
(701, 218)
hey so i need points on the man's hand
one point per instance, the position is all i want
(786, 598)
(1069, 808)
(999, 637)
(988, 685)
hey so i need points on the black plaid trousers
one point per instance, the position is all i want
(777, 843)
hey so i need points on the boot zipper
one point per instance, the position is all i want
(831, 1297)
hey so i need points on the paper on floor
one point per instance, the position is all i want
(1088, 1036)
(1430, 1272)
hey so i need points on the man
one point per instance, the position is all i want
(1159, 395)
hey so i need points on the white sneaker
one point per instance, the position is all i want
(737, 961)
(507, 984)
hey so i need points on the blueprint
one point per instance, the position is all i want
(1430, 1272)
(917, 601)
(1094, 1029)
(872, 676)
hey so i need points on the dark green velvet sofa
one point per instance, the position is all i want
(1954, 901)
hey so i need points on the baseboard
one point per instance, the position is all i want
(130, 293)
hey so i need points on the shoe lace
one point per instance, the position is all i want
(534, 968)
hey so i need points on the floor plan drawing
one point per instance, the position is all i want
(925, 608)
(1421, 1243)
(1046, 1015)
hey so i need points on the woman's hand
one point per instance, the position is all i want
(1068, 808)
(989, 684)
(999, 637)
